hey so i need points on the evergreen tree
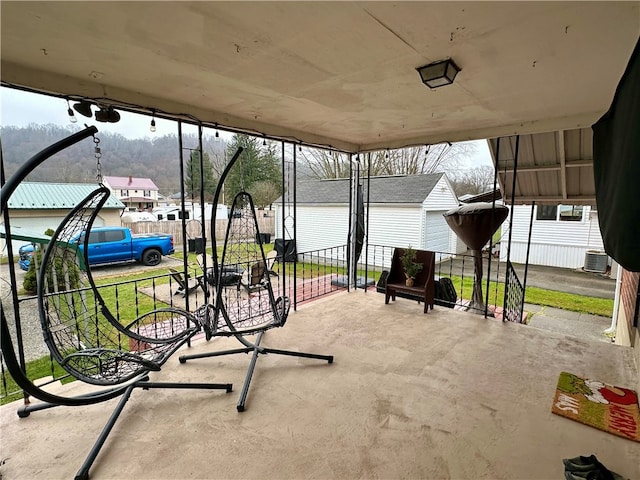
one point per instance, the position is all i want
(192, 176)
(257, 164)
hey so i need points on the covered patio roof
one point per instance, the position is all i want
(552, 167)
(443, 395)
(336, 74)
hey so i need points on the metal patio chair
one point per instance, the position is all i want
(92, 344)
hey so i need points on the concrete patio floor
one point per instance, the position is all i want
(443, 395)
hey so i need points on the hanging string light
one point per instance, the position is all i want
(386, 155)
(264, 141)
(153, 121)
(72, 117)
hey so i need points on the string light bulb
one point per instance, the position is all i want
(72, 117)
(264, 141)
(153, 121)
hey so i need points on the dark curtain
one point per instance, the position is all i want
(616, 168)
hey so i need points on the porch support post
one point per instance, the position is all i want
(203, 225)
(493, 210)
(526, 263)
(350, 227)
(513, 201)
(366, 236)
(283, 193)
(185, 267)
(295, 234)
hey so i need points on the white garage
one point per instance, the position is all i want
(403, 211)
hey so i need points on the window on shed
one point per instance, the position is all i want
(571, 213)
(547, 212)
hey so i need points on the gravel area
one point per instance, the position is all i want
(32, 338)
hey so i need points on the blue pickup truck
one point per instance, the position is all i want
(115, 245)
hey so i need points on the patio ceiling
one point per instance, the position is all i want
(552, 168)
(339, 74)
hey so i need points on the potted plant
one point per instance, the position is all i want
(411, 268)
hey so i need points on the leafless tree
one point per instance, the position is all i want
(264, 192)
(404, 161)
(472, 181)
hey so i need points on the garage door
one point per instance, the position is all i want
(437, 232)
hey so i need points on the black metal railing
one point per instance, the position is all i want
(315, 274)
(513, 296)
(126, 299)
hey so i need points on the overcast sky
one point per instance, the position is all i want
(20, 108)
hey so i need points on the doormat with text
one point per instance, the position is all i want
(609, 408)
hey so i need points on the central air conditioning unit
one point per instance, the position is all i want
(595, 261)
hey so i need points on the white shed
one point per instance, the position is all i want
(403, 210)
(561, 235)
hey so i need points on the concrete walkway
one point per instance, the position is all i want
(580, 325)
(575, 281)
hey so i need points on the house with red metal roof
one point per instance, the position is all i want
(136, 193)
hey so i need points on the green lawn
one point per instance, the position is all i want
(539, 296)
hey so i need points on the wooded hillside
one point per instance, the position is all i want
(155, 158)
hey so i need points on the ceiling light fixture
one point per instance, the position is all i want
(83, 108)
(107, 114)
(438, 74)
(72, 117)
(153, 121)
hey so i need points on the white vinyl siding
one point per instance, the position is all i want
(441, 197)
(437, 233)
(553, 243)
(318, 227)
(395, 226)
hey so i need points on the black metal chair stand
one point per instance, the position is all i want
(251, 310)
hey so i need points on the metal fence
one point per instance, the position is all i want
(314, 274)
(514, 296)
